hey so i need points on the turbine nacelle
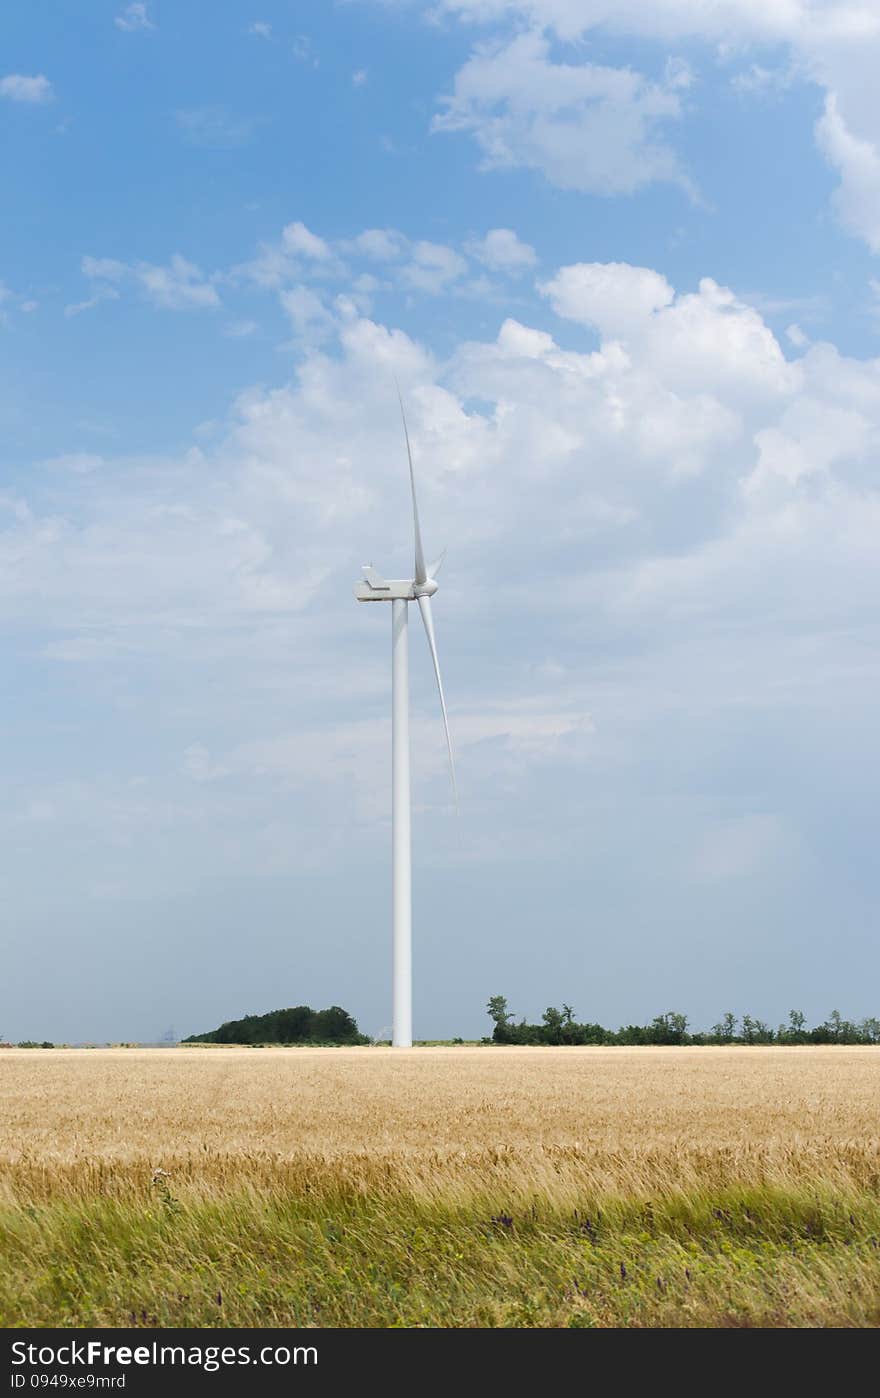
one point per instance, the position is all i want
(375, 588)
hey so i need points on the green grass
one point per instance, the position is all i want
(747, 1257)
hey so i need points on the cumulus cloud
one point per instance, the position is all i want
(583, 126)
(296, 251)
(502, 251)
(299, 240)
(610, 295)
(15, 87)
(379, 244)
(684, 385)
(310, 318)
(433, 266)
(857, 160)
(550, 123)
(693, 340)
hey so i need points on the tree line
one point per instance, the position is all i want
(298, 1025)
(561, 1027)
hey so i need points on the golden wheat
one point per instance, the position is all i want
(434, 1118)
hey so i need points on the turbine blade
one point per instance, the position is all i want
(434, 568)
(427, 618)
(420, 573)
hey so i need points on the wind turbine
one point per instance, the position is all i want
(400, 592)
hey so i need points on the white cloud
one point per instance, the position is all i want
(134, 17)
(261, 29)
(583, 126)
(724, 20)
(298, 253)
(107, 269)
(359, 77)
(364, 286)
(300, 241)
(506, 96)
(692, 340)
(271, 267)
(857, 160)
(502, 251)
(433, 266)
(380, 244)
(178, 286)
(309, 317)
(18, 88)
(609, 295)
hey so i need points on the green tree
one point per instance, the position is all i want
(670, 1028)
(725, 1031)
(497, 1009)
(553, 1025)
(503, 1033)
(797, 1027)
(335, 1025)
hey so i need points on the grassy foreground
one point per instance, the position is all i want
(740, 1258)
(707, 1188)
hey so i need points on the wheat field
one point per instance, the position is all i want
(440, 1186)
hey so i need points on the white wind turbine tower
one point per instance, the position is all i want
(400, 592)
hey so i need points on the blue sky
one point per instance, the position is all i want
(623, 261)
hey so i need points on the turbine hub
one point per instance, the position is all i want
(425, 589)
